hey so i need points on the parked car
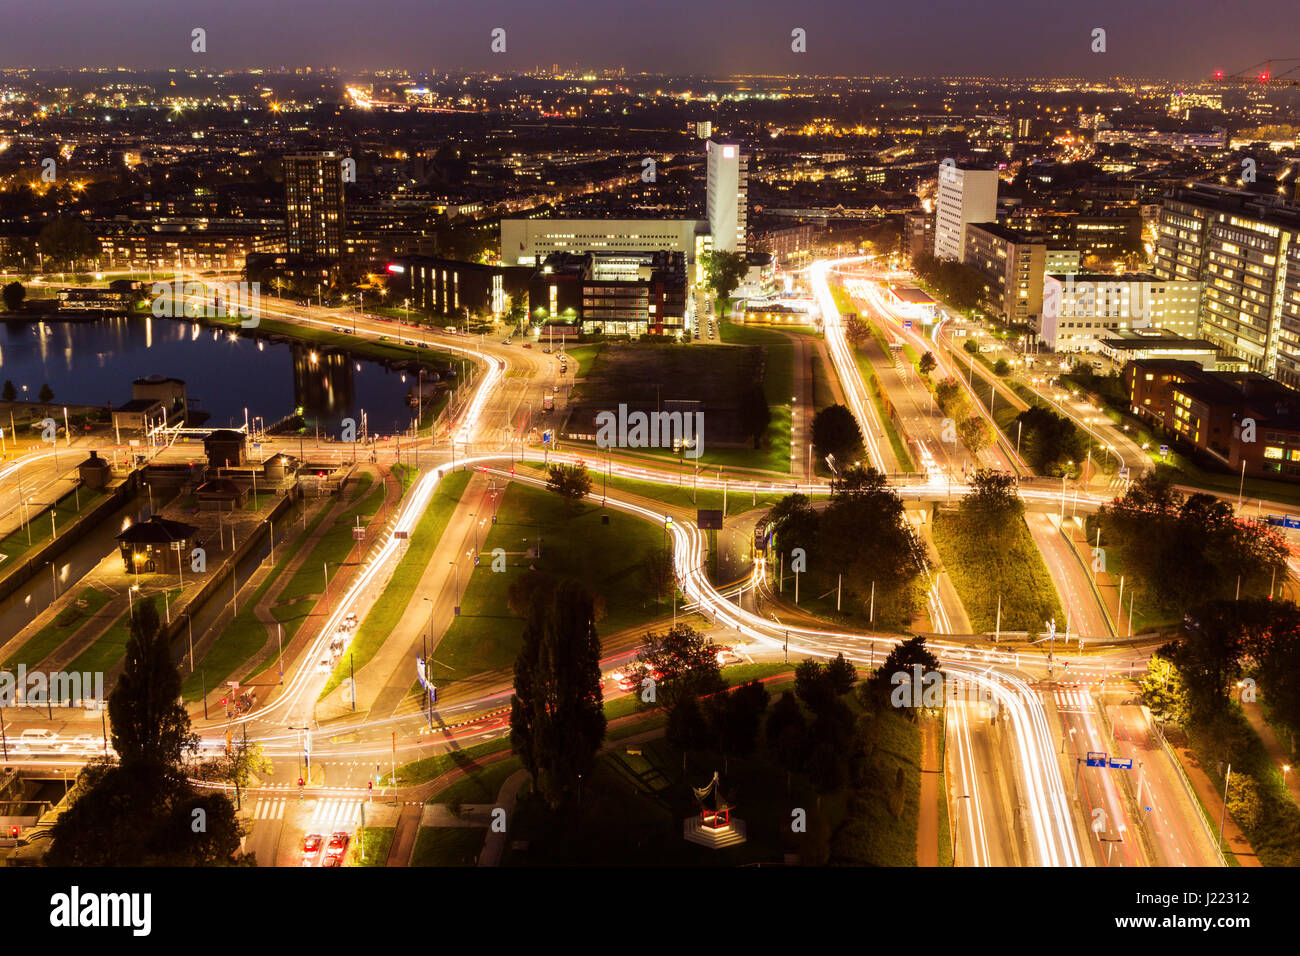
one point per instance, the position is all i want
(311, 845)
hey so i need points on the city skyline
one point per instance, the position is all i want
(943, 39)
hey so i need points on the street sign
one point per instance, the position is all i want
(907, 323)
(708, 519)
(358, 534)
(1164, 451)
(547, 436)
(1121, 763)
(1096, 759)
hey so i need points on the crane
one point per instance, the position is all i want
(1264, 72)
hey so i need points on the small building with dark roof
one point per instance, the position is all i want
(95, 471)
(156, 545)
(226, 448)
(220, 494)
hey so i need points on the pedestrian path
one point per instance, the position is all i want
(335, 812)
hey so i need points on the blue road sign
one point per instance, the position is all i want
(1164, 451)
(546, 437)
(1293, 522)
(1096, 759)
(1121, 763)
(907, 323)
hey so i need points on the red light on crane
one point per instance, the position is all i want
(1263, 77)
(1218, 74)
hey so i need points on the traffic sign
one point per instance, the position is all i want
(907, 323)
(1096, 759)
(1121, 763)
(358, 534)
(1164, 451)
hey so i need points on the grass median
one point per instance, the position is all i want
(984, 569)
(390, 607)
(576, 544)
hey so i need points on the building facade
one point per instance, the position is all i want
(727, 200)
(313, 205)
(965, 196)
(1081, 310)
(1244, 249)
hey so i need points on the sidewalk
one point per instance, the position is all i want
(927, 824)
(1276, 751)
(1212, 798)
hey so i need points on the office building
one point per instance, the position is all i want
(1244, 248)
(612, 293)
(1012, 265)
(1082, 310)
(1243, 421)
(965, 196)
(1130, 345)
(449, 287)
(313, 206)
(727, 198)
(529, 242)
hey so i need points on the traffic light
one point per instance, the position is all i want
(13, 831)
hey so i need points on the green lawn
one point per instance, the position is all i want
(390, 607)
(448, 846)
(896, 442)
(245, 635)
(110, 647)
(65, 624)
(741, 497)
(575, 544)
(982, 569)
(334, 548)
(377, 841)
(14, 547)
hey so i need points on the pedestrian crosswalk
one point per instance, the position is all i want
(336, 813)
(272, 809)
(327, 813)
(1073, 701)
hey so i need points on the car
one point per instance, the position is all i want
(546, 351)
(424, 345)
(450, 329)
(338, 845)
(408, 341)
(86, 744)
(555, 388)
(332, 861)
(39, 739)
(528, 345)
(325, 666)
(311, 845)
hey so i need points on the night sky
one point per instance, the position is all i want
(1178, 39)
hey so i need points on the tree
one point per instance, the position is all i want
(902, 659)
(1000, 367)
(793, 523)
(1208, 655)
(66, 243)
(10, 393)
(570, 482)
(657, 568)
(835, 432)
(859, 479)
(140, 809)
(723, 271)
(992, 506)
(150, 728)
(974, 434)
(734, 718)
(683, 662)
(755, 415)
(1050, 441)
(687, 728)
(1163, 691)
(46, 394)
(557, 717)
(927, 363)
(840, 674)
(14, 293)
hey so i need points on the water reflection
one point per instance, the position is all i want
(94, 363)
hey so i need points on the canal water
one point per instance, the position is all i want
(94, 363)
